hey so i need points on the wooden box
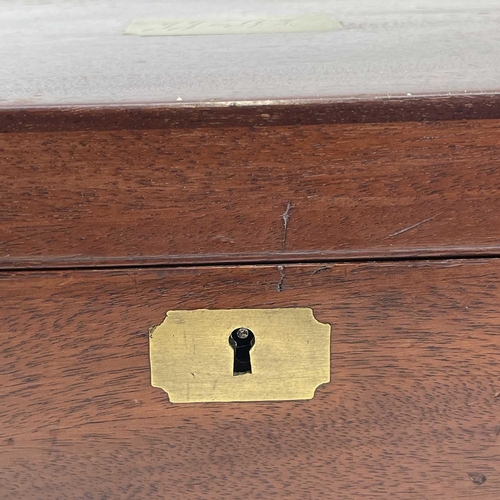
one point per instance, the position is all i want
(380, 213)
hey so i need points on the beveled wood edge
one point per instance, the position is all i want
(384, 109)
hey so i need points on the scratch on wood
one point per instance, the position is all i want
(286, 220)
(134, 278)
(281, 283)
(320, 270)
(409, 228)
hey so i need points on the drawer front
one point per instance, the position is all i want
(249, 194)
(411, 410)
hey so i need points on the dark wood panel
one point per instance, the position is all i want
(412, 410)
(250, 114)
(259, 194)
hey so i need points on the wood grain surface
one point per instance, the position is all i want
(249, 194)
(412, 411)
(298, 111)
(57, 52)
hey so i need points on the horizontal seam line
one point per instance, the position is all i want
(256, 262)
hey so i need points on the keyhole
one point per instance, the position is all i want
(242, 340)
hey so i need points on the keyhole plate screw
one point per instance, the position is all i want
(242, 333)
